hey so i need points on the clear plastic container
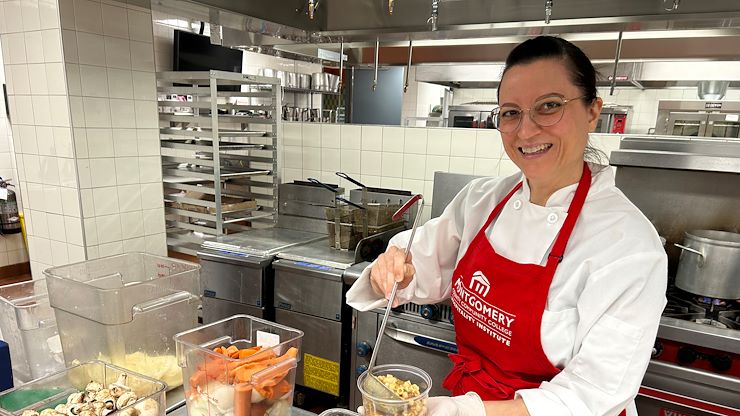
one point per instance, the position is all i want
(28, 326)
(54, 389)
(125, 310)
(259, 384)
(412, 406)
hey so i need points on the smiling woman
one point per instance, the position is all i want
(556, 83)
(577, 273)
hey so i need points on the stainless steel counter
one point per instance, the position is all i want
(263, 243)
(319, 253)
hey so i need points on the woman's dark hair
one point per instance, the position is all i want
(582, 72)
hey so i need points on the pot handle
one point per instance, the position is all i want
(689, 249)
(701, 255)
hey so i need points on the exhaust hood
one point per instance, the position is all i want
(659, 74)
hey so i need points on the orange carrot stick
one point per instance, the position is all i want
(198, 380)
(242, 399)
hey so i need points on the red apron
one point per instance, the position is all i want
(498, 306)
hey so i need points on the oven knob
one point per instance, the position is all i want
(360, 369)
(363, 349)
(429, 311)
(720, 362)
(686, 355)
(657, 349)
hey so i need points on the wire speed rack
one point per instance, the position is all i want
(218, 136)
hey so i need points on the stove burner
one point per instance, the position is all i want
(718, 313)
(710, 322)
(710, 301)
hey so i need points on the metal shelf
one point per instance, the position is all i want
(223, 146)
(309, 91)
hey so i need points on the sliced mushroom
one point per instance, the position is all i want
(98, 408)
(61, 408)
(30, 413)
(93, 387)
(102, 395)
(126, 399)
(120, 386)
(74, 409)
(75, 398)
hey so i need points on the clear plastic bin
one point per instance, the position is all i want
(258, 384)
(54, 389)
(125, 310)
(412, 406)
(28, 326)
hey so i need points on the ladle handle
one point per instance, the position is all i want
(392, 298)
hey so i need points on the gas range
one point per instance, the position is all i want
(695, 366)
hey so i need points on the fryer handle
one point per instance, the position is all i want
(397, 215)
(347, 201)
(347, 177)
(318, 182)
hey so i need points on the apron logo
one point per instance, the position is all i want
(486, 316)
(480, 284)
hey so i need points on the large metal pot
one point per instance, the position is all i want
(710, 264)
(292, 80)
(304, 81)
(332, 83)
(318, 82)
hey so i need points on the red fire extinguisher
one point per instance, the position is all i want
(10, 222)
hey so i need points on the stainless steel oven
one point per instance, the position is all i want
(698, 118)
(613, 119)
(472, 115)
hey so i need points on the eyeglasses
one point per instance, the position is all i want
(544, 112)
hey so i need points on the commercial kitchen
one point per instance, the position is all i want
(189, 189)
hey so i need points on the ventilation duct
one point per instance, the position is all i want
(712, 90)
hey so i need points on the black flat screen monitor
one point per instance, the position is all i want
(196, 53)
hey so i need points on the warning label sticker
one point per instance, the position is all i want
(321, 374)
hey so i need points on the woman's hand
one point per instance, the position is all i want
(391, 267)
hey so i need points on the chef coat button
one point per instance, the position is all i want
(517, 204)
(552, 218)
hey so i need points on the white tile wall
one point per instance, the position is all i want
(82, 94)
(423, 152)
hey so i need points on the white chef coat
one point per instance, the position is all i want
(605, 300)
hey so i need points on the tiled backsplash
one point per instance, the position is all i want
(397, 157)
(81, 89)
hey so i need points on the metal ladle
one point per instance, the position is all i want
(371, 383)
